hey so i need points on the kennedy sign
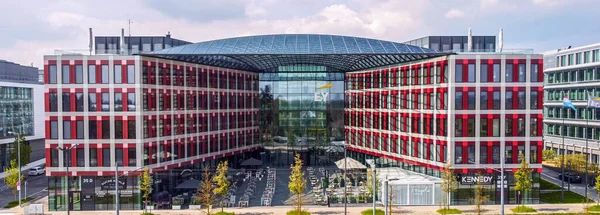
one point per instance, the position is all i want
(109, 184)
(474, 179)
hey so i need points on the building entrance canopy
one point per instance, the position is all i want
(266, 53)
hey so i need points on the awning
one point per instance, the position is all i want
(189, 184)
(350, 164)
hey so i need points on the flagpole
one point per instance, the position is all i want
(587, 125)
(562, 165)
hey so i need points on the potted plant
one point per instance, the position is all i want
(352, 199)
(195, 204)
(176, 204)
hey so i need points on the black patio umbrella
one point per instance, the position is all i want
(251, 162)
(188, 184)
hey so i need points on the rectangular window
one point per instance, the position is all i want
(52, 74)
(483, 73)
(533, 127)
(118, 74)
(92, 101)
(509, 73)
(497, 102)
(131, 74)
(131, 129)
(131, 101)
(93, 157)
(53, 100)
(119, 156)
(132, 157)
(496, 72)
(471, 155)
(66, 102)
(66, 129)
(522, 72)
(471, 98)
(483, 131)
(105, 129)
(471, 73)
(458, 132)
(509, 128)
(534, 72)
(118, 129)
(483, 100)
(521, 127)
(105, 157)
(118, 101)
(458, 73)
(80, 157)
(508, 100)
(483, 154)
(470, 127)
(496, 127)
(93, 131)
(104, 69)
(522, 100)
(458, 101)
(91, 74)
(508, 153)
(79, 74)
(53, 129)
(66, 74)
(80, 129)
(79, 102)
(496, 154)
(105, 102)
(533, 99)
(458, 155)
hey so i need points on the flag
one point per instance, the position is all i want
(567, 103)
(326, 86)
(593, 101)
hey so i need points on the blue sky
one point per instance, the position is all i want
(36, 28)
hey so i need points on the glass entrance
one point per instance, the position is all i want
(75, 200)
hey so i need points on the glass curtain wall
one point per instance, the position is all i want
(302, 110)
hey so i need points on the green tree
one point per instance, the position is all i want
(480, 196)
(206, 193)
(25, 150)
(12, 177)
(297, 182)
(448, 185)
(548, 155)
(145, 186)
(369, 184)
(523, 178)
(221, 180)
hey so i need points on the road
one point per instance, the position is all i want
(578, 188)
(36, 186)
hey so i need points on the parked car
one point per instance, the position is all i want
(573, 178)
(37, 171)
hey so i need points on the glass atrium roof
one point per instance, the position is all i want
(265, 53)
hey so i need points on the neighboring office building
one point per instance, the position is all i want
(468, 108)
(21, 110)
(575, 74)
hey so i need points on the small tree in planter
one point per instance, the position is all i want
(176, 204)
(523, 181)
(222, 182)
(146, 187)
(297, 182)
(206, 194)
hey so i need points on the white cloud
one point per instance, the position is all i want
(549, 3)
(254, 10)
(454, 13)
(488, 3)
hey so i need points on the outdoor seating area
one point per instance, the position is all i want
(269, 191)
(251, 182)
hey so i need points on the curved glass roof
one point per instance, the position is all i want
(265, 53)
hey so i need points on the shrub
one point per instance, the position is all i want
(370, 212)
(449, 211)
(147, 213)
(594, 208)
(16, 202)
(295, 212)
(224, 213)
(523, 209)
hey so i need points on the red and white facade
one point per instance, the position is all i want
(454, 109)
(164, 114)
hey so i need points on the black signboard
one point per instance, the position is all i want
(88, 184)
(109, 184)
(474, 179)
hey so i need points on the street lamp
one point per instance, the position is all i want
(68, 150)
(126, 173)
(501, 182)
(371, 162)
(345, 181)
(387, 193)
(18, 160)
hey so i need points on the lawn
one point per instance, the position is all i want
(449, 211)
(16, 202)
(523, 209)
(554, 197)
(546, 185)
(370, 212)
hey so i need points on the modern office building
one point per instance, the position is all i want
(575, 74)
(21, 112)
(188, 106)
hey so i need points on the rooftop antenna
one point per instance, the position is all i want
(122, 41)
(129, 23)
(500, 40)
(470, 41)
(91, 41)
